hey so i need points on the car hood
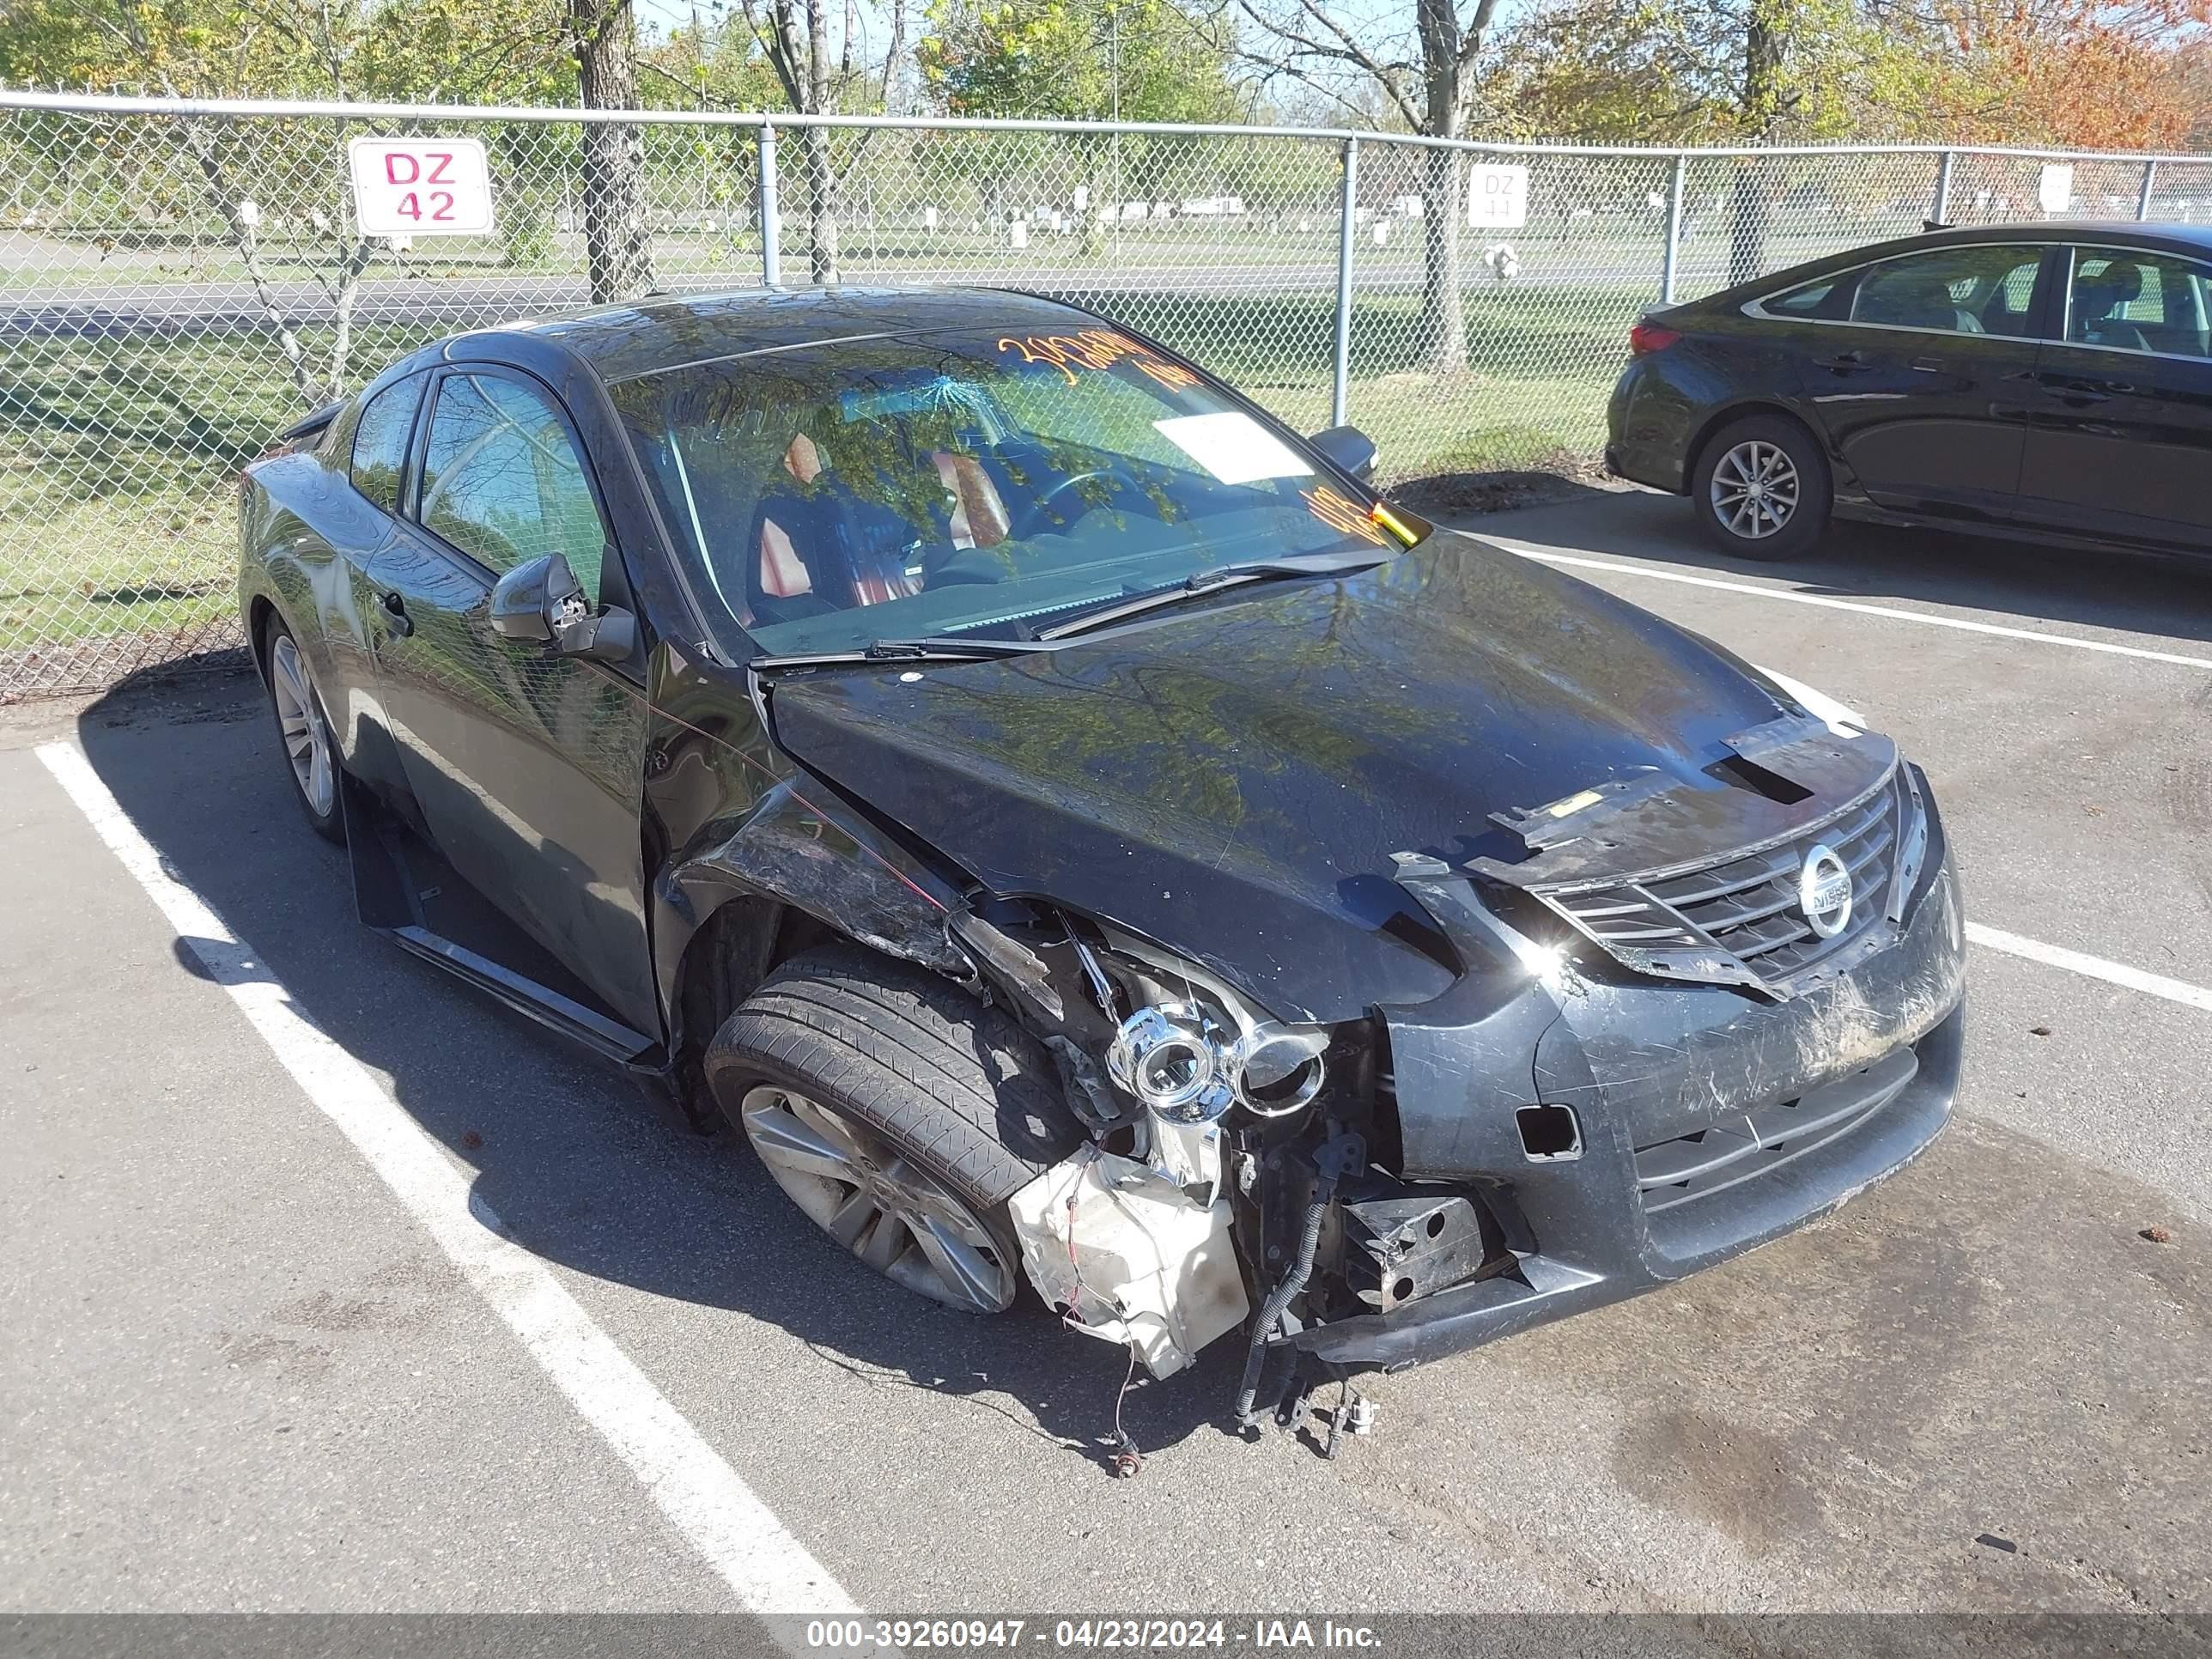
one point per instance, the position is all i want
(1231, 780)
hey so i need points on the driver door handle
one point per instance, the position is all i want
(1845, 361)
(395, 612)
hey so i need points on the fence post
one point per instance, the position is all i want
(1345, 226)
(771, 212)
(1673, 254)
(2142, 195)
(1940, 213)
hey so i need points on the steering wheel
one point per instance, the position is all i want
(1042, 510)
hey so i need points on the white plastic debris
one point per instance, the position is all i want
(1131, 1259)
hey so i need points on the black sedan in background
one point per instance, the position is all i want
(1082, 837)
(2046, 380)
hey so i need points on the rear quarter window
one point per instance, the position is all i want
(1829, 297)
(379, 441)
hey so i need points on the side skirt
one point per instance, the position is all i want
(393, 896)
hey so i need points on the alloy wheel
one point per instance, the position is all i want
(299, 719)
(1755, 489)
(873, 1199)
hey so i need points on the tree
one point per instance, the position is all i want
(814, 77)
(1429, 82)
(2087, 74)
(617, 241)
(343, 49)
(1078, 60)
(2091, 74)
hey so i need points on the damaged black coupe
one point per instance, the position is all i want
(1080, 834)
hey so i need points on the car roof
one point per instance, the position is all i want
(621, 342)
(2070, 230)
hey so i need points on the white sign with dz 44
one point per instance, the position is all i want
(1496, 197)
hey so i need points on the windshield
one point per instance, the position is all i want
(969, 483)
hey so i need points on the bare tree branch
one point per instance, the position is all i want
(1339, 46)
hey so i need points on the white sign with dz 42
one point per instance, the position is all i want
(420, 187)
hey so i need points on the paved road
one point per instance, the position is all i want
(240, 1374)
(80, 302)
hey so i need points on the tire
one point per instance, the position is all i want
(1759, 467)
(303, 732)
(898, 1114)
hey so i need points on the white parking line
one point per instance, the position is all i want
(2076, 961)
(1528, 551)
(770, 1570)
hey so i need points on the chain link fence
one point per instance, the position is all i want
(178, 282)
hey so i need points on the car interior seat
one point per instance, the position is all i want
(979, 511)
(2099, 303)
(840, 557)
(1915, 300)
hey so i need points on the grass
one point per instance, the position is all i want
(118, 458)
(118, 454)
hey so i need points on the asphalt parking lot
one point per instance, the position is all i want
(256, 1359)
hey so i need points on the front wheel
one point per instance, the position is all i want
(898, 1114)
(1762, 487)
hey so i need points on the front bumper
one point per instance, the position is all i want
(1710, 1122)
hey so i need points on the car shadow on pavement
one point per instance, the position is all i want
(2147, 593)
(579, 1164)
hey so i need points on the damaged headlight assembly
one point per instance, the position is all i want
(1185, 1066)
(1138, 1247)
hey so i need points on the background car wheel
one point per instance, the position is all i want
(304, 730)
(898, 1112)
(1762, 487)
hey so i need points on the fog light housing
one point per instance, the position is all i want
(1549, 1134)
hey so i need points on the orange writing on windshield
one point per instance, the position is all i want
(1341, 512)
(1095, 348)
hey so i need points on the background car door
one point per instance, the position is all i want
(2119, 443)
(525, 765)
(1924, 387)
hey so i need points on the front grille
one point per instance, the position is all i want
(1738, 918)
(1743, 1147)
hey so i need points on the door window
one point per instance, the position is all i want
(379, 441)
(502, 481)
(2130, 301)
(1951, 290)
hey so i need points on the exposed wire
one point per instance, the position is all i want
(1127, 1458)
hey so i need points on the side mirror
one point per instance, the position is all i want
(542, 600)
(1349, 448)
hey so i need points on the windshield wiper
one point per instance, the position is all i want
(1211, 581)
(937, 649)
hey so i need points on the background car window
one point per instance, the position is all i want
(1813, 300)
(1957, 290)
(501, 479)
(2139, 303)
(379, 441)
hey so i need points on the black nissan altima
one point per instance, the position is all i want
(1080, 834)
(2052, 381)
